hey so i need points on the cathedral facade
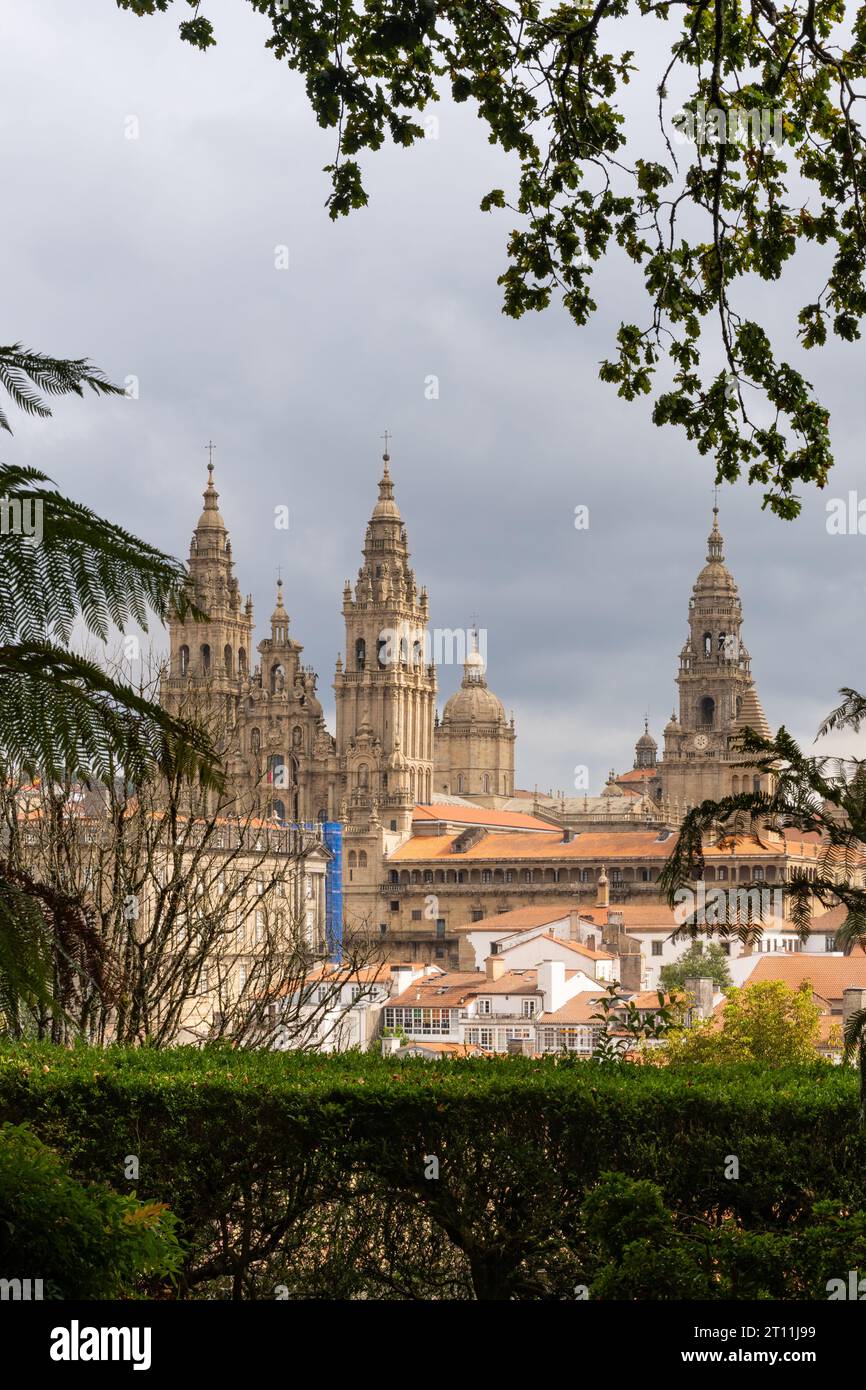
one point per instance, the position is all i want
(389, 751)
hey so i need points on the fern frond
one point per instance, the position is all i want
(61, 715)
(55, 376)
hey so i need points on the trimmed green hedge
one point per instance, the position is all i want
(295, 1175)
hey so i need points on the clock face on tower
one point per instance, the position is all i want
(701, 740)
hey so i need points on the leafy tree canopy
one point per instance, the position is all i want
(758, 154)
(699, 960)
(763, 1022)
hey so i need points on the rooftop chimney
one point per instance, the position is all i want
(494, 967)
(702, 990)
(603, 895)
(551, 982)
(853, 999)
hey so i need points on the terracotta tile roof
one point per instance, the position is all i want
(638, 774)
(578, 1009)
(641, 916)
(594, 846)
(828, 975)
(512, 982)
(478, 815)
(646, 999)
(831, 920)
(517, 919)
(447, 991)
(578, 947)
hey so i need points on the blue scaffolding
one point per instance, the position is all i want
(332, 833)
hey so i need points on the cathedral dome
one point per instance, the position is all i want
(715, 576)
(474, 702)
(211, 518)
(386, 508)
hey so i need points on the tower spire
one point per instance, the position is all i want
(715, 544)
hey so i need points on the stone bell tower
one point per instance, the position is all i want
(210, 660)
(386, 690)
(717, 696)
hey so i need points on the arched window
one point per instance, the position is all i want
(382, 652)
(205, 659)
(242, 661)
(459, 783)
(280, 810)
(486, 784)
(360, 653)
(227, 659)
(723, 637)
(708, 644)
(255, 741)
(353, 859)
(708, 710)
(184, 660)
(416, 653)
(362, 859)
(739, 705)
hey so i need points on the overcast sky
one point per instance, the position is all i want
(155, 257)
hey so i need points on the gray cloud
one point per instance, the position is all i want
(155, 257)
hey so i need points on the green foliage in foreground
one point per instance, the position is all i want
(310, 1176)
(81, 1239)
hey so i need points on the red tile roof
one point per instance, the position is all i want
(598, 846)
(450, 814)
(518, 919)
(828, 975)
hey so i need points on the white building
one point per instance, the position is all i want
(335, 1008)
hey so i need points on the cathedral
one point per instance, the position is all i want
(390, 751)
(399, 780)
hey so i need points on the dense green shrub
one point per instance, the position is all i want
(356, 1176)
(80, 1239)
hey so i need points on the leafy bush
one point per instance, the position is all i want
(81, 1239)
